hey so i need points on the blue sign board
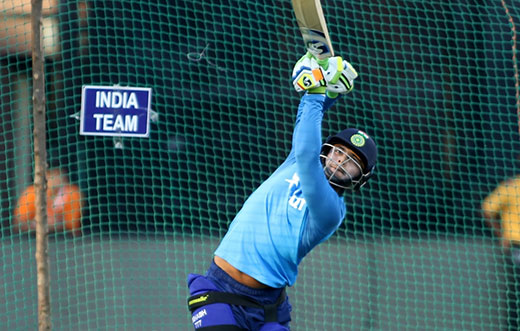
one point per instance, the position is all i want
(115, 111)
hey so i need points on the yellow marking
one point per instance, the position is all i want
(200, 299)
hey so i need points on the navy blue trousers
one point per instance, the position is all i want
(222, 314)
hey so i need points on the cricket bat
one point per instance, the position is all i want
(313, 27)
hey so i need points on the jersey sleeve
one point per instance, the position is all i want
(326, 104)
(323, 202)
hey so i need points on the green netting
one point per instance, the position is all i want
(437, 89)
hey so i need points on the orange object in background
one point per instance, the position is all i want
(64, 204)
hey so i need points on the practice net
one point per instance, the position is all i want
(437, 89)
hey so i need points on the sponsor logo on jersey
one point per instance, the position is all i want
(295, 201)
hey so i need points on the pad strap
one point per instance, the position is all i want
(270, 311)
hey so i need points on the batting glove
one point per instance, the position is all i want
(332, 76)
(307, 75)
(339, 76)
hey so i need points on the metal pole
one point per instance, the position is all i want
(40, 168)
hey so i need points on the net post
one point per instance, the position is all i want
(40, 160)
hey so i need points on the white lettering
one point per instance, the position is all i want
(116, 100)
(127, 123)
(105, 99)
(295, 180)
(131, 123)
(98, 118)
(198, 316)
(118, 124)
(296, 202)
(132, 101)
(107, 122)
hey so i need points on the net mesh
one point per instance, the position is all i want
(437, 90)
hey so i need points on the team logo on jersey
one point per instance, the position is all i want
(358, 140)
(295, 200)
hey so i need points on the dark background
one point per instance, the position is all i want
(436, 90)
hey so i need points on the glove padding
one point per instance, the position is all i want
(333, 75)
(307, 74)
(339, 76)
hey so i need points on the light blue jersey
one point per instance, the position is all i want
(294, 210)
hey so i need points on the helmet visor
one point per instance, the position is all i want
(341, 168)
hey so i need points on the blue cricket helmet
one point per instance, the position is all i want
(362, 144)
